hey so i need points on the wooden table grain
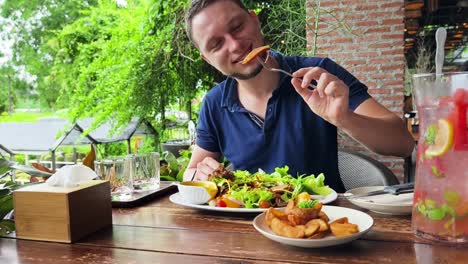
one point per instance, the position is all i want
(162, 232)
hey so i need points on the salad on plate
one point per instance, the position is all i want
(242, 189)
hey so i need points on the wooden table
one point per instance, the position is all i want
(161, 232)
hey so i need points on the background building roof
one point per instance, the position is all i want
(47, 134)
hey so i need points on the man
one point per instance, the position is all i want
(262, 119)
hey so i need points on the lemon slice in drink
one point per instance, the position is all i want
(443, 139)
(209, 186)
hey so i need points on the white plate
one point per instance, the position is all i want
(177, 199)
(385, 203)
(363, 220)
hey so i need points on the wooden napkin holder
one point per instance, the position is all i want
(62, 214)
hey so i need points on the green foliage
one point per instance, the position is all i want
(35, 24)
(10, 84)
(27, 117)
(6, 206)
(6, 188)
(112, 149)
(147, 145)
(173, 168)
(284, 25)
(3, 100)
(124, 62)
(20, 158)
(110, 62)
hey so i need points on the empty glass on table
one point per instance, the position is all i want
(147, 175)
(119, 172)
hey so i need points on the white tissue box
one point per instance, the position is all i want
(62, 214)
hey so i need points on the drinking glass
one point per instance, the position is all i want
(440, 205)
(147, 175)
(119, 172)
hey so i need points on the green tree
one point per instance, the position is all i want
(107, 61)
(121, 62)
(34, 23)
(10, 83)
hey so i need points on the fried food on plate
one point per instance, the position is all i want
(311, 223)
(283, 228)
(255, 53)
(341, 227)
(345, 229)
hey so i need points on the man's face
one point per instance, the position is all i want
(225, 34)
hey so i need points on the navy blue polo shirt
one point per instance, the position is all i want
(291, 133)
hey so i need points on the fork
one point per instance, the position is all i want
(311, 86)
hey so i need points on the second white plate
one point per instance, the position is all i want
(385, 203)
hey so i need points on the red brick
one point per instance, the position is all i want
(380, 61)
(383, 76)
(368, 7)
(364, 54)
(355, 62)
(351, 3)
(393, 51)
(396, 4)
(386, 29)
(394, 98)
(353, 16)
(352, 47)
(398, 90)
(367, 23)
(394, 36)
(388, 83)
(378, 30)
(392, 67)
(328, 4)
(342, 40)
(398, 28)
(399, 75)
(379, 46)
(381, 91)
(366, 68)
(392, 21)
(377, 14)
(369, 38)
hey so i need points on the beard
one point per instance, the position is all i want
(246, 76)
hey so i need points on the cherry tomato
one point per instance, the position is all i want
(264, 204)
(221, 203)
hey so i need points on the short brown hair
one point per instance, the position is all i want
(196, 6)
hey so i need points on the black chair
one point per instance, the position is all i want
(357, 170)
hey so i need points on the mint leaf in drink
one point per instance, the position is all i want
(437, 173)
(431, 133)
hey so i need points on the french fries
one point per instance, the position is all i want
(310, 223)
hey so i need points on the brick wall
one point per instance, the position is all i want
(373, 52)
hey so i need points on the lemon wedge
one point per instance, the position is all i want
(443, 139)
(209, 186)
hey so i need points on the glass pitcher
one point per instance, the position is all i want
(440, 205)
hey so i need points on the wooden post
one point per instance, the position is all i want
(10, 97)
(75, 154)
(129, 147)
(54, 166)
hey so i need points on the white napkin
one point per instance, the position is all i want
(71, 176)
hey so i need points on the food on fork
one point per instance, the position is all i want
(255, 53)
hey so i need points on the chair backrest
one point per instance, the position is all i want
(357, 170)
